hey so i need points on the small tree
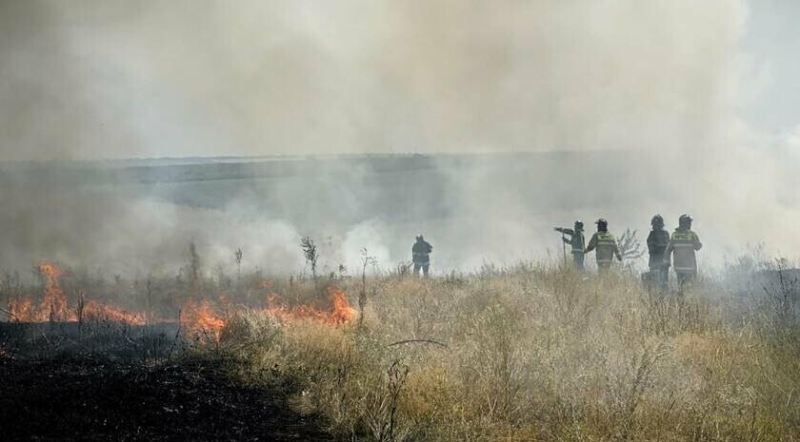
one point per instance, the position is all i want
(149, 299)
(238, 255)
(194, 267)
(310, 253)
(629, 245)
(366, 260)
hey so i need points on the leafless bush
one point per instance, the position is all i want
(310, 253)
(382, 407)
(629, 246)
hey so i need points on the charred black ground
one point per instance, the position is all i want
(86, 399)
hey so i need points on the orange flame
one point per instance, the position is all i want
(53, 306)
(104, 312)
(22, 309)
(54, 303)
(201, 321)
(336, 312)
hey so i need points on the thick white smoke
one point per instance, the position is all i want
(666, 81)
(182, 78)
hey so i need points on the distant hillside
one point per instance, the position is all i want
(500, 206)
(390, 185)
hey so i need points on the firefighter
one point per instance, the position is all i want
(606, 245)
(683, 244)
(656, 245)
(576, 240)
(420, 253)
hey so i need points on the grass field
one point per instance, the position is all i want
(533, 352)
(539, 353)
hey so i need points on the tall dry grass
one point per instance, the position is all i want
(539, 353)
(535, 352)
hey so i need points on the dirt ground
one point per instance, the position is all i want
(90, 400)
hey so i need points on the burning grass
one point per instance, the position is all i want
(333, 309)
(200, 316)
(527, 353)
(53, 305)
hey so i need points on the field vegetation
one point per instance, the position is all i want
(534, 352)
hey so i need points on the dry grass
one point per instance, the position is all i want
(530, 353)
(541, 354)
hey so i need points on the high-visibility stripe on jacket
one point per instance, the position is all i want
(681, 247)
(606, 246)
(578, 243)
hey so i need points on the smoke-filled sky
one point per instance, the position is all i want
(705, 91)
(107, 79)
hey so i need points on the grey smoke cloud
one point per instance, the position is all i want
(128, 79)
(652, 91)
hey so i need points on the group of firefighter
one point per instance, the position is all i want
(676, 250)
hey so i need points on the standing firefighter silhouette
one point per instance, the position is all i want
(683, 244)
(420, 253)
(657, 243)
(574, 237)
(606, 246)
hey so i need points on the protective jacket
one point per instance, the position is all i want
(606, 246)
(683, 244)
(420, 252)
(657, 243)
(576, 240)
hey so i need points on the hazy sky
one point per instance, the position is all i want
(705, 92)
(772, 42)
(109, 79)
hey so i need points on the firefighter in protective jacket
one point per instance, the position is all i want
(657, 242)
(420, 254)
(576, 241)
(606, 246)
(683, 245)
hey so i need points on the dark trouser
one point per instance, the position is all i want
(577, 259)
(421, 265)
(685, 279)
(660, 277)
(603, 267)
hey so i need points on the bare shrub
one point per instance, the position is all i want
(381, 415)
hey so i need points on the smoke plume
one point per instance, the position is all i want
(644, 99)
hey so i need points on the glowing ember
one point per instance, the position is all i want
(336, 312)
(98, 311)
